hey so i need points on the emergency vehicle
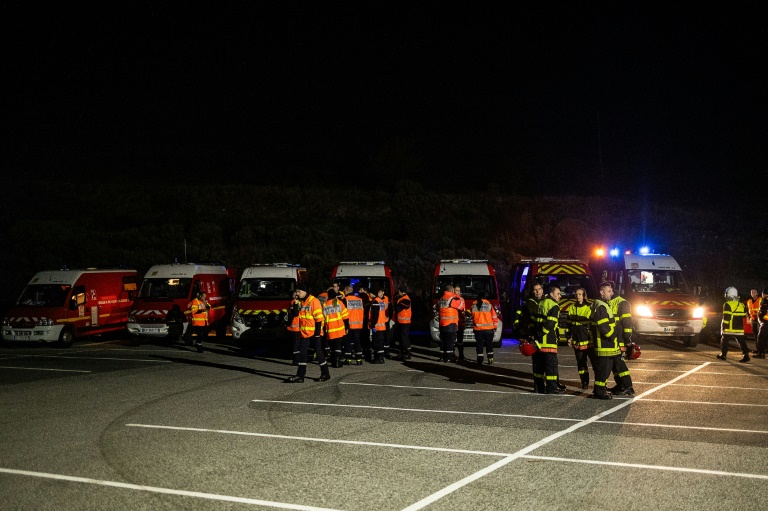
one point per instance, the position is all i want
(265, 293)
(568, 274)
(372, 275)
(178, 283)
(662, 303)
(473, 276)
(63, 305)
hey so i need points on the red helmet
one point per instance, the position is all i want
(527, 348)
(633, 351)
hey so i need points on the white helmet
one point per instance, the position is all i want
(731, 293)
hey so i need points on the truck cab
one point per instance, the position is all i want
(473, 276)
(568, 274)
(663, 305)
(264, 294)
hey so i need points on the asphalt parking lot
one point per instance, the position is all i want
(104, 425)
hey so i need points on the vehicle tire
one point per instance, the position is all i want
(691, 341)
(66, 337)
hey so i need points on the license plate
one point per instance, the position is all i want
(678, 329)
(22, 337)
(150, 330)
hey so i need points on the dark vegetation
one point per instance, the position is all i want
(84, 224)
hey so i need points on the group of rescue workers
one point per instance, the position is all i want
(599, 333)
(335, 326)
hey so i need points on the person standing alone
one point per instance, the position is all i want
(485, 321)
(198, 309)
(403, 312)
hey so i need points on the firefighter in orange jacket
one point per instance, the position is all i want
(403, 315)
(336, 325)
(292, 325)
(484, 324)
(379, 325)
(462, 323)
(762, 319)
(198, 309)
(448, 318)
(353, 349)
(753, 308)
(311, 330)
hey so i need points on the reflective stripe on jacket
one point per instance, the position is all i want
(448, 312)
(379, 317)
(356, 312)
(335, 313)
(734, 313)
(199, 310)
(484, 316)
(549, 317)
(606, 344)
(311, 312)
(577, 327)
(403, 307)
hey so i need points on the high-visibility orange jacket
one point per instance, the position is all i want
(484, 315)
(448, 313)
(199, 310)
(403, 308)
(335, 313)
(355, 311)
(293, 326)
(311, 312)
(754, 307)
(379, 318)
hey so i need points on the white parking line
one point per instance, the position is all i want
(44, 369)
(167, 491)
(443, 388)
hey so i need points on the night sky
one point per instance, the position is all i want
(634, 98)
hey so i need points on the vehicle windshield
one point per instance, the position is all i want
(275, 289)
(470, 285)
(372, 284)
(568, 284)
(165, 288)
(45, 295)
(657, 281)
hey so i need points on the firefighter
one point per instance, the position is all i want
(762, 319)
(198, 309)
(545, 372)
(607, 351)
(365, 333)
(353, 349)
(448, 317)
(484, 324)
(577, 330)
(403, 315)
(378, 321)
(525, 319)
(753, 308)
(622, 315)
(292, 325)
(732, 327)
(311, 330)
(336, 326)
(462, 323)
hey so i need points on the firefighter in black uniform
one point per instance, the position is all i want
(545, 359)
(607, 350)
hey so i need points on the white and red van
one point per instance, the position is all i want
(63, 305)
(178, 283)
(663, 305)
(264, 294)
(473, 276)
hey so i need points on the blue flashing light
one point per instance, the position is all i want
(614, 252)
(645, 250)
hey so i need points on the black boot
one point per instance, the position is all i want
(479, 361)
(407, 355)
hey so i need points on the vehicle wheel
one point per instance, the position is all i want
(691, 341)
(66, 337)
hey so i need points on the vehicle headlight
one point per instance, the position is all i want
(698, 313)
(643, 311)
(132, 318)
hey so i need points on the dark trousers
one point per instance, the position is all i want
(460, 341)
(295, 346)
(378, 342)
(336, 346)
(447, 340)
(201, 332)
(354, 346)
(484, 340)
(402, 336)
(603, 369)
(317, 343)
(762, 338)
(724, 340)
(545, 371)
(582, 356)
